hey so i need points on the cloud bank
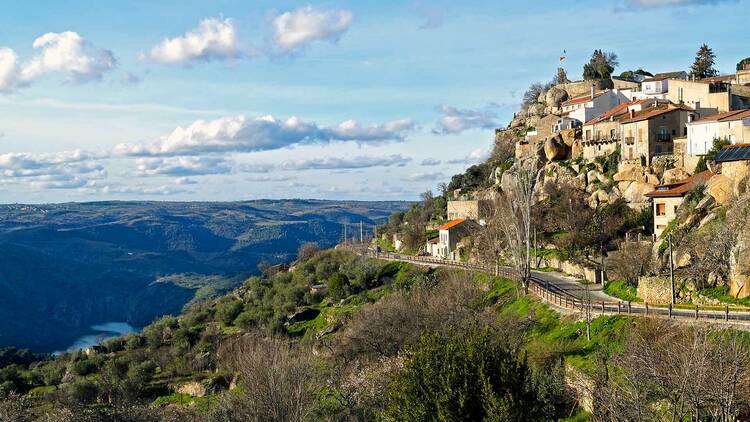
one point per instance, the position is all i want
(301, 27)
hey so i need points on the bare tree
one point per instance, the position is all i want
(631, 261)
(515, 209)
(275, 377)
(490, 241)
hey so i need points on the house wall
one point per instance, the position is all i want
(641, 139)
(670, 206)
(592, 150)
(472, 210)
(701, 135)
(743, 77)
(587, 111)
(655, 87)
(697, 95)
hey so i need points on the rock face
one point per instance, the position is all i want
(555, 97)
(739, 269)
(674, 175)
(554, 150)
(721, 188)
(636, 191)
(654, 289)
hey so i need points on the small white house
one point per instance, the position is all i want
(733, 126)
(656, 87)
(587, 107)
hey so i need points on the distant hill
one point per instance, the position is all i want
(68, 266)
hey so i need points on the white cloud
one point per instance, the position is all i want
(303, 26)
(68, 53)
(425, 177)
(65, 52)
(330, 163)
(241, 134)
(213, 39)
(185, 181)
(97, 187)
(455, 120)
(430, 162)
(270, 178)
(9, 70)
(62, 170)
(181, 166)
(471, 158)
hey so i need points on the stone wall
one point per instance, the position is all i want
(589, 274)
(579, 88)
(655, 289)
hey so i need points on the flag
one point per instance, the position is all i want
(564, 56)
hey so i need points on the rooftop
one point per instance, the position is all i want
(726, 116)
(738, 152)
(582, 99)
(651, 112)
(451, 224)
(679, 189)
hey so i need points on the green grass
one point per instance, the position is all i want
(721, 294)
(622, 290)
(201, 403)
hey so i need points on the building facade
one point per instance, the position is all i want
(733, 126)
(668, 198)
(651, 131)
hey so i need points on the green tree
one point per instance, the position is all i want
(742, 63)
(719, 143)
(600, 66)
(338, 286)
(703, 65)
(464, 376)
(561, 76)
(226, 312)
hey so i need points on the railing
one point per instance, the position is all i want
(664, 137)
(629, 140)
(562, 299)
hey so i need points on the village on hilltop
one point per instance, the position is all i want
(673, 145)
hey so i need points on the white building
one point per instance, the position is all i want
(656, 87)
(733, 126)
(589, 106)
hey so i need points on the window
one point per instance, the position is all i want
(661, 209)
(675, 209)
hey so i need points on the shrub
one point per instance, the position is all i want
(226, 312)
(338, 286)
(467, 375)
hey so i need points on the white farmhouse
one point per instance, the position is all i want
(733, 126)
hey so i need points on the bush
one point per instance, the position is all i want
(338, 287)
(464, 376)
(83, 367)
(226, 312)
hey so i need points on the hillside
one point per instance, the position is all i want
(69, 266)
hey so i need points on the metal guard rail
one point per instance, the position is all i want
(563, 299)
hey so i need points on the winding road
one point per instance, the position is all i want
(570, 295)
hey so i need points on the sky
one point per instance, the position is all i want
(236, 100)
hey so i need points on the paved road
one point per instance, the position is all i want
(570, 294)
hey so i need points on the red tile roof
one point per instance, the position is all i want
(679, 189)
(726, 116)
(451, 224)
(582, 99)
(617, 111)
(651, 112)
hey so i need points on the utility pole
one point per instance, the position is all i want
(345, 238)
(361, 233)
(671, 268)
(601, 260)
(536, 262)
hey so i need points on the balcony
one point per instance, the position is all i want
(629, 140)
(663, 137)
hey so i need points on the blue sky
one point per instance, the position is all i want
(234, 100)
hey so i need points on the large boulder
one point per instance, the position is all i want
(554, 150)
(628, 173)
(568, 136)
(555, 97)
(636, 192)
(721, 188)
(674, 175)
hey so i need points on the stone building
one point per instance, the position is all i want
(476, 210)
(709, 96)
(667, 199)
(450, 234)
(651, 131)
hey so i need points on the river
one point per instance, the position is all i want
(100, 333)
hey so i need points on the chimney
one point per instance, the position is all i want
(593, 91)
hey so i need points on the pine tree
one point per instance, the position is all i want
(703, 66)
